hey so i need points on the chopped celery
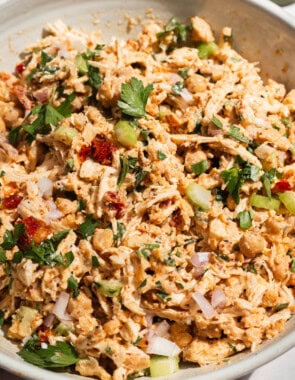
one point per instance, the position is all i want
(125, 134)
(26, 315)
(164, 365)
(206, 49)
(64, 328)
(109, 288)
(65, 134)
(198, 195)
(288, 199)
(260, 201)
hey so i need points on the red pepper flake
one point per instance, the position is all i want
(20, 68)
(115, 201)
(176, 220)
(44, 333)
(102, 150)
(32, 225)
(12, 201)
(281, 186)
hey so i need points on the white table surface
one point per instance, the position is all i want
(282, 368)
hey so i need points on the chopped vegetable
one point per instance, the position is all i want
(260, 201)
(198, 195)
(281, 306)
(235, 133)
(87, 228)
(245, 219)
(73, 285)
(176, 28)
(161, 155)
(125, 134)
(281, 187)
(200, 167)
(267, 180)
(134, 97)
(288, 199)
(217, 122)
(59, 356)
(109, 288)
(163, 365)
(65, 134)
(177, 88)
(207, 49)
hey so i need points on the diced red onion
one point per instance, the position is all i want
(204, 305)
(60, 307)
(45, 186)
(163, 347)
(218, 299)
(162, 328)
(173, 78)
(216, 132)
(149, 319)
(48, 320)
(200, 258)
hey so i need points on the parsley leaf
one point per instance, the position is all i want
(95, 261)
(267, 179)
(69, 258)
(133, 97)
(127, 164)
(245, 219)
(235, 133)
(145, 251)
(73, 285)
(161, 155)
(1, 317)
(216, 122)
(163, 296)
(183, 72)
(120, 232)
(3, 257)
(281, 306)
(177, 88)
(10, 238)
(59, 356)
(200, 167)
(87, 228)
(2, 173)
(178, 30)
(293, 265)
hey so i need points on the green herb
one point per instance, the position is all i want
(47, 116)
(161, 155)
(163, 296)
(251, 268)
(69, 165)
(73, 285)
(146, 250)
(127, 164)
(183, 72)
(200, 167)
(267, 180)
(11, 238)
(133, 97)
(69, 258)
(177, 88)
(109, 288)
(207, 49)
(138, 340)
(281, 306)
(120, 232)
(233, 348)
(178, 30)
(293, 265)
(95, 261)
(84, 67)
(108, 350)
(59, 356)
(180, 285)
(222, 257)
(17, 257)
(45, 252)
(216, 122)
(45, 58)
(144, 133)
(286, 122)
(235, 133)
(95, 79)
(3, 257)
(81, 205)
(139, 176)
(159, 285)
(245, 219)
(142, 284)
(1, 317)
(2, 173)
(88, 227)
(234, 178)
(169, 261)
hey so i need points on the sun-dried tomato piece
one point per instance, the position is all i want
(32, 225)
(12, 201)
(85, 152)
(281, 186)
(102, 150)
(115, 202)
(20, 68)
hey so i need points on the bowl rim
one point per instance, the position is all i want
(243, 366)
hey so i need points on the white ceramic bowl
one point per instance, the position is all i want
(263, 32)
